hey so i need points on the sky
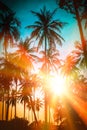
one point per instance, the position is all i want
(23, 12)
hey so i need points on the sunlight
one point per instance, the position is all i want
(39, 93)
(79, 106)
(57, 84)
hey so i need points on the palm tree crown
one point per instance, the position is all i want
(46, 29)
(9, 28)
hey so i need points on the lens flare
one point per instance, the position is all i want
(57, 85)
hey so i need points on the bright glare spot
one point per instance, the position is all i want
(57, 84)
(39, 93)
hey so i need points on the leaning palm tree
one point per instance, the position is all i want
(9, 31)
(76, 8)
(47, 32)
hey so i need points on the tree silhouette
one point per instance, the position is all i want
(45, 30)
(9, 28)
(76, 8)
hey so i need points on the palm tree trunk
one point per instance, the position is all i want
(81, 32)
(33, 109)
(45, 84)
(28, 115)
(38, 115)
(3, 107)
(49, 113)
(15, 100)
(79, 25)
(11, 110)
(7, 108)
(24, 109)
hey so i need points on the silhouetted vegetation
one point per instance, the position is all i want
(29, 67)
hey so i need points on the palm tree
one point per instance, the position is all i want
(45, 30)
(38, 104)
(12, 74)
(25, 55)
(6, 81)
(18, 74)
(75, 7)
(12, 101)
(79, 52)
(28, 105)
(75, 61)
(2, 94)
(53, 62)
(27, 92)
(8, 29)
(25, 100)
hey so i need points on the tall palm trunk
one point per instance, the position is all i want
(79, 25)
(3, 106)
(11, 110)
(38, 114)
(49, 113)
(81, 32)
(33, 109)
(7, 106)
(28, 114)
(24, 109)
(45, 84)
(15, 100)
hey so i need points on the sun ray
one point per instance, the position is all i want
(79, 106)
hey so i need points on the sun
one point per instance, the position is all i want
(57, 85)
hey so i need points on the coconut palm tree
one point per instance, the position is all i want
(17, 72)
(47, 32)
(76, 8)
(27, 92)
(38, 104)
(75, 61)
(12, 101)
(2, 94)
(53, 62)
(9, 29)
(25, 100)
(25, 55)
(6, 81)
(11, 74)
(46, 29)
(28, 105)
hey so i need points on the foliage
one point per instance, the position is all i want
(47, 28)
